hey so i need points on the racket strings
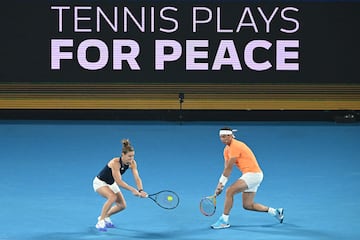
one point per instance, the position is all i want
(207, 206)
(167, 199)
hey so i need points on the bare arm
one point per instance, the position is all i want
(137, 179)
(229, 166)
(115, 169)
(226, 173)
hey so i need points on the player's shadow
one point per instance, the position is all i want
(153, 235)
(169, 234)
(90, 233)
(290, 231)
(116, 234)
(248, 226)
(285, 229)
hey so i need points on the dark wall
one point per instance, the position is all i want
(325, 33)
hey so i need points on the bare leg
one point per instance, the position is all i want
(120, 205)
(111, 197)
(238, 186)
(249, 204)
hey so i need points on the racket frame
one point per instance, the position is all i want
(213, 201)
(154, 197)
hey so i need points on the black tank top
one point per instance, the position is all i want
(106, 175)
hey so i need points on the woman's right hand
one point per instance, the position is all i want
(135, 192)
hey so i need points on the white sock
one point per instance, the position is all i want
(272, 211)
(225, 217)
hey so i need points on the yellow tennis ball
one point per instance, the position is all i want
(169, 198)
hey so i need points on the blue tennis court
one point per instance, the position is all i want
(311, 169)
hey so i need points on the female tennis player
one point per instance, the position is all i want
(107, 183)
(239, 154)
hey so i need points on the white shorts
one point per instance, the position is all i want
(252, 180)
(97, 183)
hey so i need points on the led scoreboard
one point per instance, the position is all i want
(223, 55)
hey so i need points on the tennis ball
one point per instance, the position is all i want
(169, 198)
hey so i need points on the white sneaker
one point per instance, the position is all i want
(101, 225)
(220, 224)
(108, 223)
(280, 214)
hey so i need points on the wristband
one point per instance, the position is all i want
(140, 190)
(223, 180)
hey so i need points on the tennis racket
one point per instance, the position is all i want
(166, 199)
(208, 205)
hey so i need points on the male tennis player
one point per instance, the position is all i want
(107, 183)
(239, 154)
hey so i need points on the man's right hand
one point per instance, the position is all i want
(219, 189)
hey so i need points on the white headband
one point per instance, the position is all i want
(225, 132)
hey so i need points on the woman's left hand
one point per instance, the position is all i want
(143, 194)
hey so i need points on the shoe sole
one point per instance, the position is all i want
(222, 227)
